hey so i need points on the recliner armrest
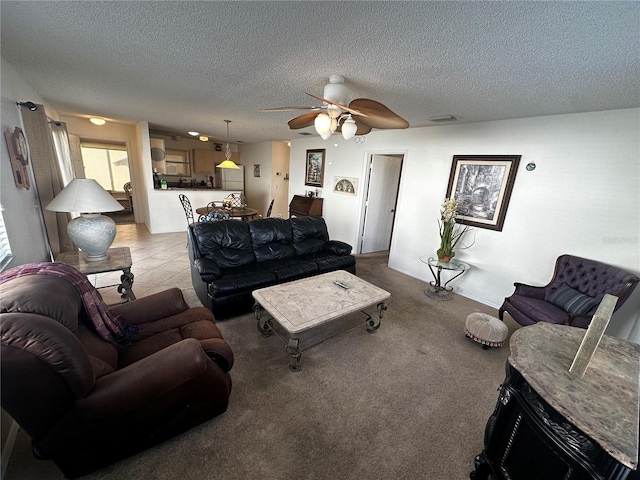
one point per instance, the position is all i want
(338, 248)
(140, 383)
(153, 307)
(208, 269)
(528, 290)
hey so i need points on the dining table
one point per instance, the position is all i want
(244, 213)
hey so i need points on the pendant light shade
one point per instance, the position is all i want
(322, 123)
(228, 163)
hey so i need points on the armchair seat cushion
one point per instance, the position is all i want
(539, 309)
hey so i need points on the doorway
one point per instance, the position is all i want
(383, 184)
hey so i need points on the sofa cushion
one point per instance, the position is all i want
(228, 243)
(572, 301)
(245, 278)
(272, 239)
(289, 269)
(309, 234)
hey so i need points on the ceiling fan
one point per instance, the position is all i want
(358, 118)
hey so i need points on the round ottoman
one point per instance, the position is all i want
(485, 329)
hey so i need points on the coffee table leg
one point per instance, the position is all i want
(373, 324)
(264, 324)
(295, 355)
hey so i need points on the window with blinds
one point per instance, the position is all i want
(5, 248)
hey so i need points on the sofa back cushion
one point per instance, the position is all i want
(228, 242)
(309, 234)
(588, 277)
(272, 239)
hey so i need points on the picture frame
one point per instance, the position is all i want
(256, 169)
(314, 172)
(345, 185)
(482, 186)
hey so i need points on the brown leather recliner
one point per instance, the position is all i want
(86, 404)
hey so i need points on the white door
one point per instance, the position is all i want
(380, 210)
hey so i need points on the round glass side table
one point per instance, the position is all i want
(439, 290)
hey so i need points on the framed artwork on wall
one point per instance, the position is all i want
(314, 173)
(482, 185)
(256, 169)
(346, 185)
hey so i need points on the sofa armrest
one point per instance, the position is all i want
(528, 290)
(208, 269)
(140, 383)
(153, 307)
(338, 248)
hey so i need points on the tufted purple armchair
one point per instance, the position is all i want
(572, 295)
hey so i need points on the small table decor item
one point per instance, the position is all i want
(450, 232)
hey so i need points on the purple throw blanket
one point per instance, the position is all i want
(109, 326)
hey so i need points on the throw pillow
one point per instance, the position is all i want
(572, 301)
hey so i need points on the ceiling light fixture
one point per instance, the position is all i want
(97, 120)
(203, 138)
(194, 134)
(228, 163)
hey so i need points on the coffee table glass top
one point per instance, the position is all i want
(305, 303)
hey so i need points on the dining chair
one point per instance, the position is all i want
(188, 210)
(270, 208)
(128, 191)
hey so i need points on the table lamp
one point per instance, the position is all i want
(91, 232)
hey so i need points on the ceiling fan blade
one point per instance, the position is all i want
(352, 111)
(377, 115)
(289, 109)
(304, 120)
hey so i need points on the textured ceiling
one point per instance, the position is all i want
(190, 65)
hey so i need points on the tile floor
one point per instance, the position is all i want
(159, 261)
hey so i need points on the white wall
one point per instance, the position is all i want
(257, 189)
(583, 198)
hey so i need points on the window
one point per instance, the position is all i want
(5, 249)
(178, 162)
(107, 163)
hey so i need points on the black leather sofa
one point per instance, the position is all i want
(229, 259)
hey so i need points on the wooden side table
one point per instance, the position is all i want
(119, 259)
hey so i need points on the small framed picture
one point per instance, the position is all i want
(314, 173)
(345, 185)
(256, 169)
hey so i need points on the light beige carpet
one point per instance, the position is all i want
(407, 402)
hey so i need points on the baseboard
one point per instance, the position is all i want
(8, 448)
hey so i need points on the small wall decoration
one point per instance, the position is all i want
(346, 185)
(482, 186)
(19, 156)
(314, 173)
(256, 169)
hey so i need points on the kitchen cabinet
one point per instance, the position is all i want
(205, 161)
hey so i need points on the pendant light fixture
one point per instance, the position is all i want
(228, 163)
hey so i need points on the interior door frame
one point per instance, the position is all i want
(366, 173)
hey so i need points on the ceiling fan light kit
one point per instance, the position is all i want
(334, 115)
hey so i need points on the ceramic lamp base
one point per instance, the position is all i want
(92, 233)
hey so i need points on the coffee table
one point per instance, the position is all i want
(304, 305)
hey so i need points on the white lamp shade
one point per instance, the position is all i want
(322, 123)
(326, 135)
(84, 195)
(349, 128)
